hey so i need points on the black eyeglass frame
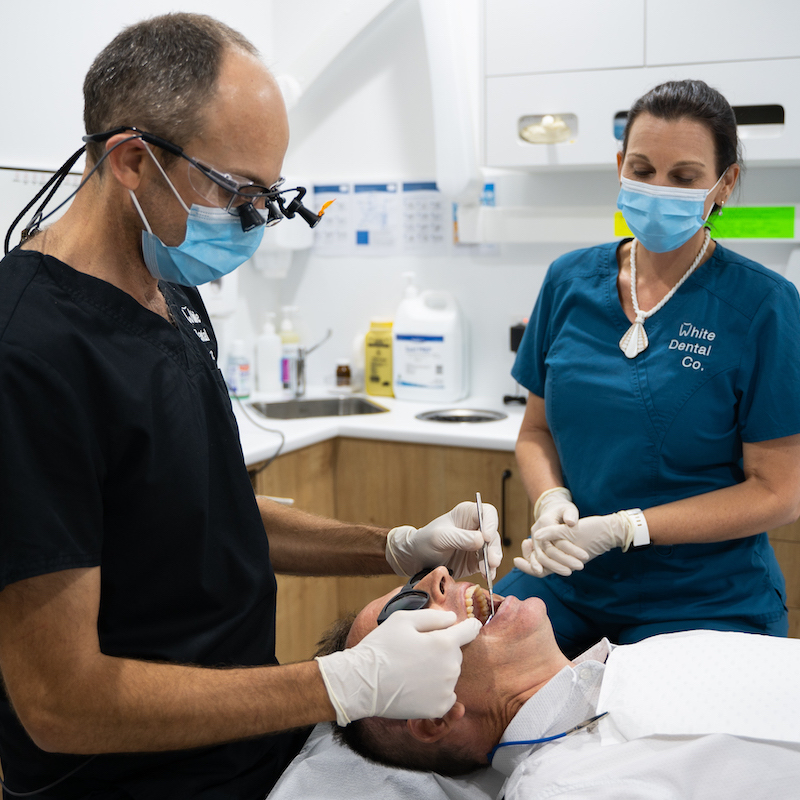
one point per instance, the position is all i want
(408, 591)
(275, 204)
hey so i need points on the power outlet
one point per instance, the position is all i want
(516, 332)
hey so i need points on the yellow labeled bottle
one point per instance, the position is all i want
(378, 358)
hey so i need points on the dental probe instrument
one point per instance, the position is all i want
(485, 552)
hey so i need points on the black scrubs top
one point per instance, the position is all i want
(119, 449)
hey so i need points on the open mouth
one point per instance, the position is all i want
(477, 603)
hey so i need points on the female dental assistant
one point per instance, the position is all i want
(662, 432)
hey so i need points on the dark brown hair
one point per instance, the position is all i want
(691, 99)
(158, 75)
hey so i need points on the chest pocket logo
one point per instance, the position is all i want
(196, 321)
(697, 344)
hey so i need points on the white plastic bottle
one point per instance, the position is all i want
(238, 374)
(357, 364)
(429, 349)
(269, 352)
(290, 347)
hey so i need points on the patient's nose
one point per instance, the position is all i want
(438, 583)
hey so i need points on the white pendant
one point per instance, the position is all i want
(634, 341)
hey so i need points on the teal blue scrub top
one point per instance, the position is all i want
(722, 368)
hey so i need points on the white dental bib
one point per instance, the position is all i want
(702, 682)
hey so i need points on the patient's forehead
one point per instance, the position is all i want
(367, 619)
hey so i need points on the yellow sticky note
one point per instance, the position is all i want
(620, 226)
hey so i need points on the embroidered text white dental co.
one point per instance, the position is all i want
(693, 339)
(198, 327)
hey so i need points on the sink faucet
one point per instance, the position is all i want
(300, 366)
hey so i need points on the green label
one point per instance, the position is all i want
(754, 222)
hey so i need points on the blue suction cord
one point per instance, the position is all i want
(585, 724)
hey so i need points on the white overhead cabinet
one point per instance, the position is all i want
(559, 77)
(703, 31)
(530, 36)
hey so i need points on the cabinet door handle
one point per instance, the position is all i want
(284, 501)
(503, 478)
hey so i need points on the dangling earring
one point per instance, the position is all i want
(722, 203)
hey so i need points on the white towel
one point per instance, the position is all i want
(703, 682)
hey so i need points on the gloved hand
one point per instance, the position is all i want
(406, 668)
(562, 549)
(451, 540)
(554, 507)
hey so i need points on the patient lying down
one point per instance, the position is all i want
(704, 730)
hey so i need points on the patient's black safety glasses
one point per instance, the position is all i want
(409, 598)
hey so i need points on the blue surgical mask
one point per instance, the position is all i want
(214, 245)
(663, 218)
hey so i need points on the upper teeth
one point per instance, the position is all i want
(483, 603)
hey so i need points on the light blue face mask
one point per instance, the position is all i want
(214, 245)
(663, 218)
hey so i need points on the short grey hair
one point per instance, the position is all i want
(158, 75)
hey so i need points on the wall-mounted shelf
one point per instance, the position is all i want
(535, 224)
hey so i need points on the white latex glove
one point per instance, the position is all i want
(451, 540)
(564, 549)
(554, 507)
(406, 668)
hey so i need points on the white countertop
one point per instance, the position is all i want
(260, 438)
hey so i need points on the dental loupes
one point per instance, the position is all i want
(485, 553)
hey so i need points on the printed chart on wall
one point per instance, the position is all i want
(382, 219)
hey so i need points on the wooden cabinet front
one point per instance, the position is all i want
(786, 542)
(305, 606)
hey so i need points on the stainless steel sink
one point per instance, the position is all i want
(325, 407)
(461, 415)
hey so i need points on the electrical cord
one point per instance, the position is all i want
(57, 178)
(263, 427)
(49, 786)
(585, 724)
